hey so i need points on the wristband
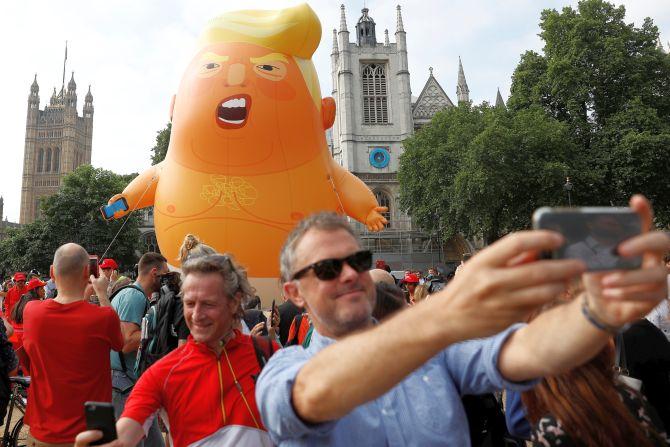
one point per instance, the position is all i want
(595, 321)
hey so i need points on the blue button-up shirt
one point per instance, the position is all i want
(423, 410)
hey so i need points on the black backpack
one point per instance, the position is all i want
(159, 329)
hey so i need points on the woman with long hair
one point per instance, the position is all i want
(590, 406)
(34, 291)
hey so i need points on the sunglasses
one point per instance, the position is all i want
(328, 269)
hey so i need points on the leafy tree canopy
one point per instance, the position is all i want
(159, 151)
(595, 107)
(73, 215)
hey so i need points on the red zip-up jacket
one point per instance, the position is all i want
(200, 396)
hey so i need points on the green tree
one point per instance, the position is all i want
(481, 171)
(159, 151)
(73, 215)
(609, 81)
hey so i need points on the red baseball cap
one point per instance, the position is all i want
(34, 284)
(19, 276)
(411, 278)
(109, 263)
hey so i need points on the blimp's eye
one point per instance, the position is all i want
(267, 67)
(212, 65)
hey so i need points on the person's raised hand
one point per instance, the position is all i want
(504, 283)
(623, 296)
(85, 438)
(99, 284)
(256, 330)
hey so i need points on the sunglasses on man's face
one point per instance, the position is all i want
(327, 269)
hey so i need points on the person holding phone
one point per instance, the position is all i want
(207, 386)
(67, 341)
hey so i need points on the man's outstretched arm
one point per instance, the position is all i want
(562, 338)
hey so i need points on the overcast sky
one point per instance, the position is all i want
(133, 53)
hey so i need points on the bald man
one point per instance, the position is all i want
(68, 341)
(379, 276)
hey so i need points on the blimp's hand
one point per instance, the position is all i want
(375, 221)
(119, 213)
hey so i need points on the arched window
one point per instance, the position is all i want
(40, 159)
(47, 163)
(56, 160)
(384, 200)
(375, 99)
(150, 242)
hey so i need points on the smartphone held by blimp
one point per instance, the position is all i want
(592, 234)
(100, 416)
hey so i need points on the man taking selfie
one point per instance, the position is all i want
(400, 382)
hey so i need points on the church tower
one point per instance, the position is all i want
(58, 141)
(374, 107)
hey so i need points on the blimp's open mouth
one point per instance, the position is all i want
(233, 111)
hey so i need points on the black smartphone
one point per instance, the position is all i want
(592, 234)
(109, 210)
(93, 265)
(273, 309)
(100, 416)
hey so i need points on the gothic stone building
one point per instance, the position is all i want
(375, 113)
(4, 223)
(58, 141)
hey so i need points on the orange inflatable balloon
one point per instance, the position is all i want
(248, 157)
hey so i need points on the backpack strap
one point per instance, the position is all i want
(129, 286)
(122, 359)
(264, 349)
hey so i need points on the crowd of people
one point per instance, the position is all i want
(507, 349)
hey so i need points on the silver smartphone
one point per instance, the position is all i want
(592, 234)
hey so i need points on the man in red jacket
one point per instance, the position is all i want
(207, 386)
(67, 340)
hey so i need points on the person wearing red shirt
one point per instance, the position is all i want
(67, 341)
(34, 291)
(15, 293)
(207, 386)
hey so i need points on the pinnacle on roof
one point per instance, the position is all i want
(72, 85)
(462, 90)
(500, 102)
(34, 87)
(462, 83)
(430, 71)
(89, 96)
(386, 37)
(335, 48)
(343, 19)
(399, 26)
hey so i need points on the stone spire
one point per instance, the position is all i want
(386, 38)
(430, 72)
(89, 96)
(34, 87)
(343, 19)
(499, 100)
(399, 27)
(335, 49)
(462, 90)
(72, 86)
